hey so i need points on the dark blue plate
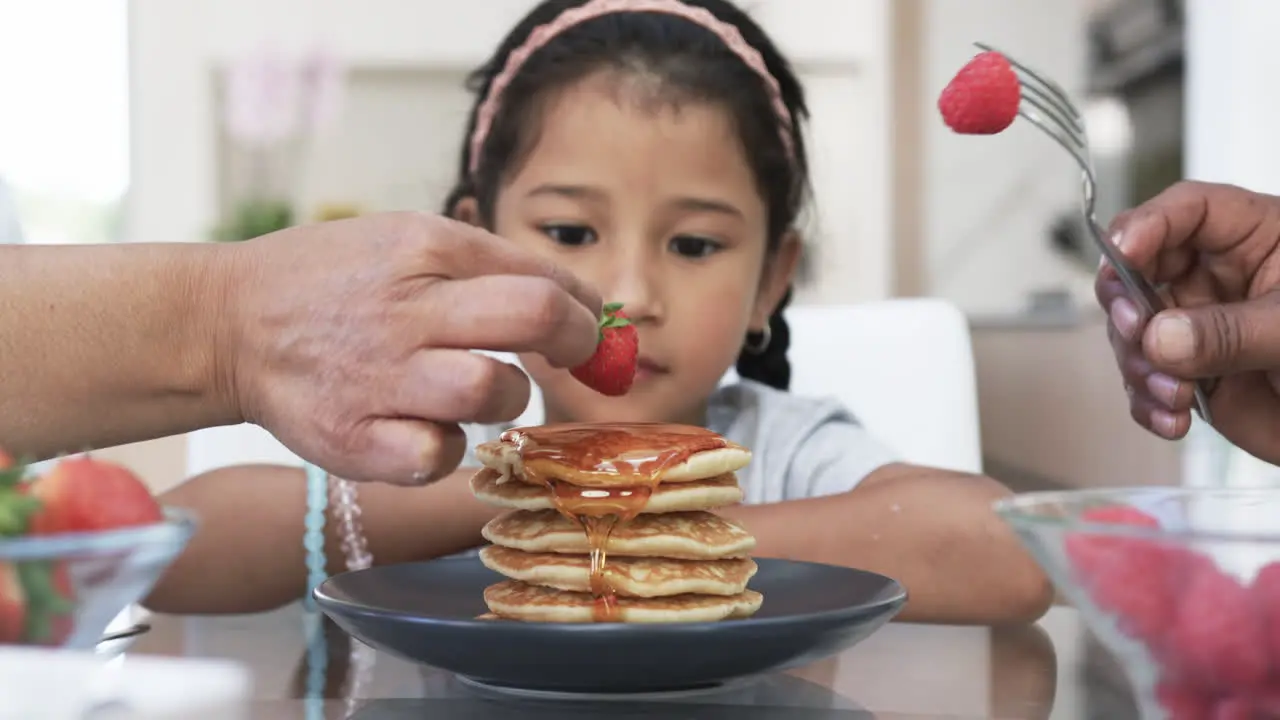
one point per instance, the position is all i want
(425, 612)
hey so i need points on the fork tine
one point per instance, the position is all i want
(1068, 112)
(1045, 87)
(1059, 135)
(1054, 113)
(1054, 108)
(1052, 86)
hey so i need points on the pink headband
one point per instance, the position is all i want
(543, 34)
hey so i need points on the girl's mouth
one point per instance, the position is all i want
(647, 368)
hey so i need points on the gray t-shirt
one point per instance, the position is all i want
(801, 447)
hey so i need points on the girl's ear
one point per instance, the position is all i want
(467, 210)
(778, 276)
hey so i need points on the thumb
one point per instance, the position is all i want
(1218, 339)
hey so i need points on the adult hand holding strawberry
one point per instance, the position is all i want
(350, 341)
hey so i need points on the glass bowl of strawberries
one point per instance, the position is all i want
(1182, 585)
(79, 543)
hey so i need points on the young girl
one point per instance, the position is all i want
(653, 147)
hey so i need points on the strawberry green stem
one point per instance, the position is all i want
(45, 603)
(12, 475)
(609, 318)
(16, 506)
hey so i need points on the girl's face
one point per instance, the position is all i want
(654, 204)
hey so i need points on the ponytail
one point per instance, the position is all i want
(769, 365)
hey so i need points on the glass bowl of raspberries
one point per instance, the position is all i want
(1181, 584)
(81, 540)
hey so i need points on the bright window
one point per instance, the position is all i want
(64, 116)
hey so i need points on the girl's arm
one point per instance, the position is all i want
(247, 554)
(932, 530)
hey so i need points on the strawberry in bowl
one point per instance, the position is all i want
(1181, 584)
(78, 544)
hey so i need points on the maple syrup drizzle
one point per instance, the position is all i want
(640, 454)
(605, 600)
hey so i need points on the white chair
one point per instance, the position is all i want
(904, 367)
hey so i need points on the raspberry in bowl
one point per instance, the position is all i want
(79, 543)
(1182, 585)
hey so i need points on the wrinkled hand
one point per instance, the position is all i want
(1216, 251)
(350, 341)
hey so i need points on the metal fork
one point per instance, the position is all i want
(1047, 106)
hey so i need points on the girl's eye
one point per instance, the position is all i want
(693, 247)
(570, 235)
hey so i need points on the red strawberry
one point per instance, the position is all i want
(1089, 552)
(84, 494)
(983, 98)
(13, 605)
(1184, 702)
(1138, 583)
(613, 368)
(1266, 596)
(1136, 579)
(1218, 635)
(1244, 708)
(1120, 515)
(1262, 704)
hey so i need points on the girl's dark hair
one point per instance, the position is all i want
(688, 63)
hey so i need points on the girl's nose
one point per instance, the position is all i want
(637, 284)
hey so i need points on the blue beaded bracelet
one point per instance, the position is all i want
(312, 624)
(313, 537)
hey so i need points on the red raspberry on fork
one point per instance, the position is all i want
(983, 98)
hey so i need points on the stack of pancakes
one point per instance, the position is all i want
(611, 523)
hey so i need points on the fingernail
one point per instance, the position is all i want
(1119, 239)
(1163, 387)
(1164, 423)
(1125, 317)
(1175, 338)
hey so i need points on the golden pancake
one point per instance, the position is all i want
(627, 577)
(694, 535)
(612, 455)
(514, 600)
(677, 497)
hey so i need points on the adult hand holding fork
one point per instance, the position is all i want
(1188, 279)
(1215, 249)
